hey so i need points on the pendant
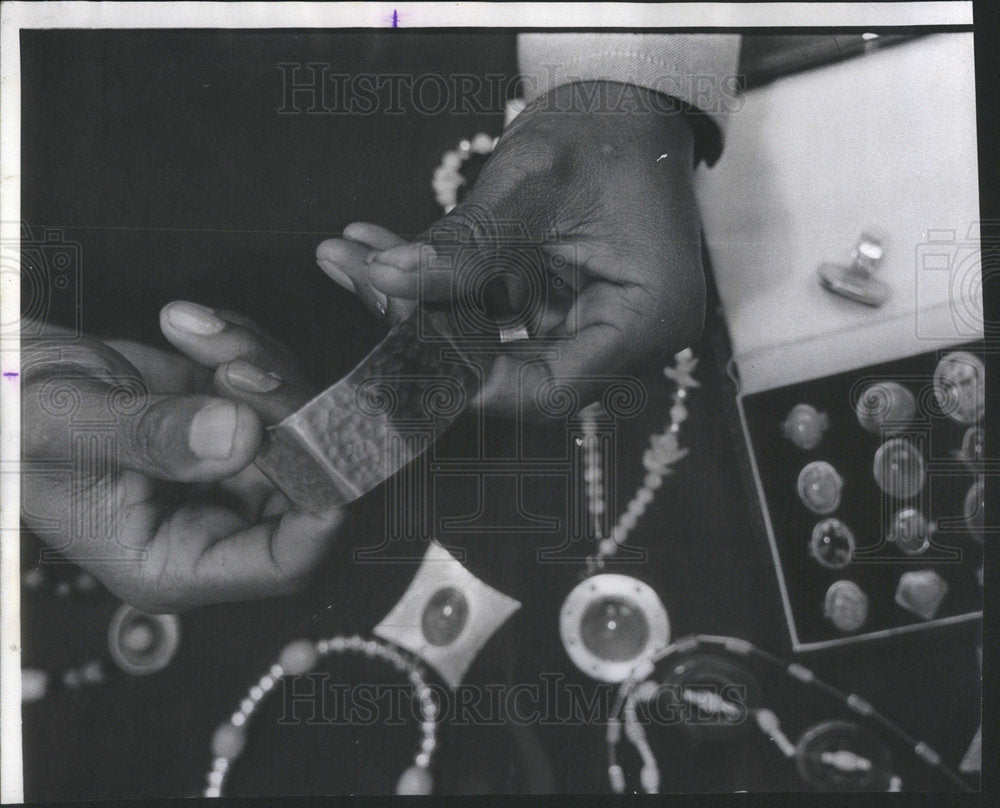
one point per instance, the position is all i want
(446, 615)
(842, 756)
(610, 623)
(712, 696)
(142, 643)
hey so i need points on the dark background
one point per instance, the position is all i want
(163, 156)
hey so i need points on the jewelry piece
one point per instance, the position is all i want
(832, 544)
(662, 453)
(608, 623)
(842, 756)
(846, 606)
(141, 643)
(921, 592)
(910, 531)
(885, 407)
(446, 615)
(971, 452)
(899, 468)
(703, 690)
(300, 657)
(448, 177)
(36, 683)
(837, 755)
(805, 426)
(819, 487)
(138, 644)
(960, 386)
(37, 578)
(857, 282)
(975, 509)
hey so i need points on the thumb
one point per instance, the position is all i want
(184, 438)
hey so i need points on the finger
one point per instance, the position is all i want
(372, 236)
(400, 304)
(172, 437)
(398, 271)
(344, 262)
(268, 559)
(271, 396)
(212, 337)
(602, 337)
(191, 438)
(164, 371)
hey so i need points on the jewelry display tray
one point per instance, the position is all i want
(877, 565)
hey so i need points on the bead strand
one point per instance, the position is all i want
(664, 450)
(448, 177)
(630, 691)
(302, 656)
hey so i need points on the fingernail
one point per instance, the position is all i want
(213, 431)
(194, 319)
(250, 378)
(337, 274)
(381, 302)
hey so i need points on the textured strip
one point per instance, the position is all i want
(354, 436)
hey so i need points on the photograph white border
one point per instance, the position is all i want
(15, 16)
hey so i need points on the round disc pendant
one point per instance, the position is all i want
(712, 696)
(960, 386)
(142, 643)
(609, 623)
(841, 756)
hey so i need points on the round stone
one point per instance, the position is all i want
(444, 617)
(228, 741)
(832, 544)
(960, 386)
(298, 657)
(885, 407)
(138, 637)
(899, 468)
(846, 606)
(805, 426)
(910, 531)
(819, 487)
(612, 628)
(414, 781)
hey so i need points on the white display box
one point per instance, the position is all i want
(884, 144)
